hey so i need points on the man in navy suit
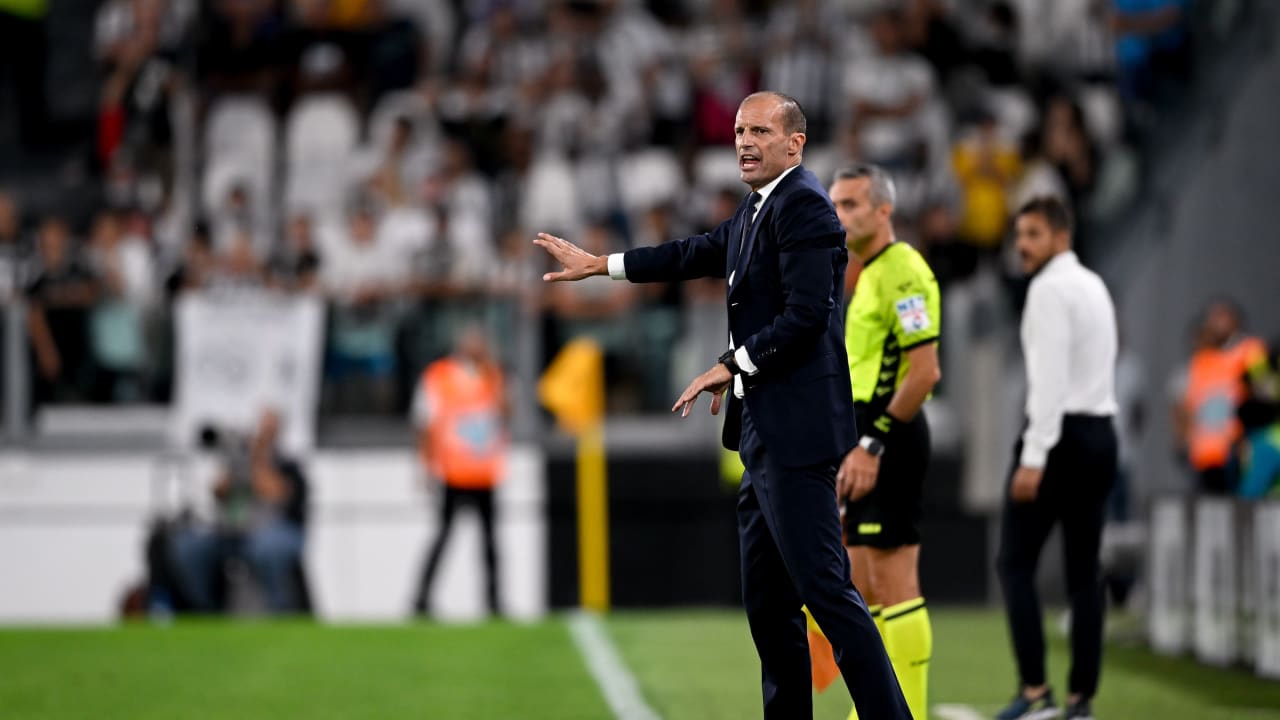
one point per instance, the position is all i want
(790, 405)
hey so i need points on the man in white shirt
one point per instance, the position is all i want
(1065, 461)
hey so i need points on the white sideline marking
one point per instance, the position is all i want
(615, 681)
(957, 712)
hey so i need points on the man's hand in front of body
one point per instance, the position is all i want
(1026, 484)
(857, 474)
(715, 381)
(578, 263)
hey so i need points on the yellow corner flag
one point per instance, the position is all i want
(822, 659)
(572, 388)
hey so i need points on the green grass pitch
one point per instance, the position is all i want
(696, 664)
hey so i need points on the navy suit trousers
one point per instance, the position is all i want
(792, 555)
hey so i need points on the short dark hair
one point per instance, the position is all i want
(1052, 209)
(881, 190)
(793, 119)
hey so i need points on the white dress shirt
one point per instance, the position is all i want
(618, 271)
(1069, 342)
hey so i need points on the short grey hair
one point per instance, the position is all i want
(882, 190)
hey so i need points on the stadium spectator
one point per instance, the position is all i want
(238, 266)
(994, 44)
(802, 37)
(261, 498)
(137, 43)
(986, 167)
(721, 54)
(460, 413)
(888, 95)
(60, 294)
(197, 266)
(407, 156)
(930, 31)
(1040, 176)
(366, 268)
(937, 234)
(296, 267)
(239, 214)
(1065, 143)
(1208, 396)
(461, 200)
(121, 258)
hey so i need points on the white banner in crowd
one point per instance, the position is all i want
(1168, 556)
(241, 352)
(1266, 558)
(1215, 582)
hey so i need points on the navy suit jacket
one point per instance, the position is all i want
(785, 307)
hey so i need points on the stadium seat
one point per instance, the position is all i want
(653, 177)
(716, 167)
(548, 202)
(320, 138)
(239, 147)
(1103, 113)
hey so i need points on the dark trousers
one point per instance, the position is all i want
(454, 499)
(1079, 474)
(793, 555)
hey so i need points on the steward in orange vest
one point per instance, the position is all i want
(1218, 381)
(459, 411)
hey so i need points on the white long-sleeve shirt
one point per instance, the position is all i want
(1069, 342)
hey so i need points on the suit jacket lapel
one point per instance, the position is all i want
(738, 266)
(735, 238)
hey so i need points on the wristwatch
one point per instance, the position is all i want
(730, 362)
(873, 446)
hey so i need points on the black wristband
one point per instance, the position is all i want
(729, 361)
(882, 427)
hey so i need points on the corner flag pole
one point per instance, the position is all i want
(572, 388)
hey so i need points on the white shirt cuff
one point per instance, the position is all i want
(1033, 456)
(617, 268)
(741, 357)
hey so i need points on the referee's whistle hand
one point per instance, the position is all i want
(1026, 484)
(857, 474)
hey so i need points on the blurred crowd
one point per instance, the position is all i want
(395, 157)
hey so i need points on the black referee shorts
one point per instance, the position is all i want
(889, 516)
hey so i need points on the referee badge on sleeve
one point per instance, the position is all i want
(913, 315)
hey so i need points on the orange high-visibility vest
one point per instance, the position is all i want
(464, 443)
(1215, 389)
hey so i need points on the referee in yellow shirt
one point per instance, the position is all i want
(891, 333)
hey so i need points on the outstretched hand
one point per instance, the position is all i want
(715, 381)
(578, 263)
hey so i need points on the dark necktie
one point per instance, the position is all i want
(751, 216)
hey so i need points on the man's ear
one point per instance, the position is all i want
(795, 143)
